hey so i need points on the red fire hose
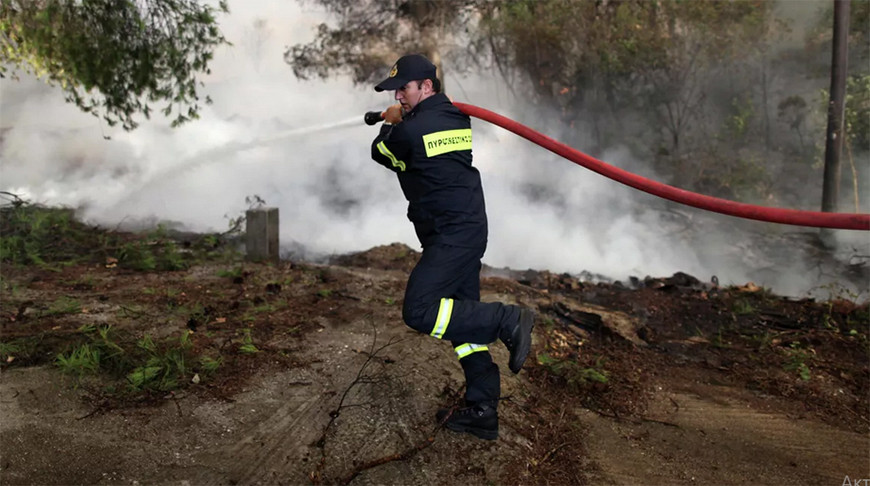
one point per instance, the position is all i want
(851, 221)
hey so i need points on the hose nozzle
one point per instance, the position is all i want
(373, 117)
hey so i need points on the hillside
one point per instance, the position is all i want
(152, 359)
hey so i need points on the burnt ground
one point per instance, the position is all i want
(661, 381)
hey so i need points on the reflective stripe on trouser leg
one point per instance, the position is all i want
(444, 312)
(468, 348)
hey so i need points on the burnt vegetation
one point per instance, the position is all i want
(138, 318)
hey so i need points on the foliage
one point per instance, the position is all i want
(45, 236)
(857, 112)
(145, 365)
(598, 63)
(82, 360)
(35, 235)
(730, 175)
(20, 350)
(164, 366)
(63, 305)
(820, 38)
(247, 345)
(372, 34)
(235, 273)
(742, 307)
(156, 253)
(113, 58)
(856, 123)
(99, 352)
(796, 361)
(575, 374)
(793, 111)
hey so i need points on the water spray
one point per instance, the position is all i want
(215, 154)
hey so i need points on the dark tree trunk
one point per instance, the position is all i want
(834, 139)
(835, 132)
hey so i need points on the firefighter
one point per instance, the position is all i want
(426, 141)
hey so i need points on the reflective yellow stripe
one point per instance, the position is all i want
(385, 151)
(443, 319)
(447, 141)
(468, 348)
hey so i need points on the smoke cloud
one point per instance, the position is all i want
(301, 146)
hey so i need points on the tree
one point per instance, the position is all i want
(372, 34)
(834, 138)
(113, 58)
(608, 55)
(686, 84)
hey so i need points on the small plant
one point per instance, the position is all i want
(549, 323)
(390, 301)
(210, 365)
(51, 237)
(154, 251)
(247, 346)
(101, 352)
(13, 288)
(133, 311)
(265, 308)
(81, 361)
(742, 307)
(170, 258)
(324, 293)
(135, 256)
(8, 349)
(232, 274)
(164, 366)
(796, 361)
(762, 341)
(12, 351)
(171, 292)
(144, 365)
(718, 341)
(36, 235)
(63, 305)
(573, 372)
(86, 282)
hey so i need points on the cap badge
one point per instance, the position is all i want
(394, 71)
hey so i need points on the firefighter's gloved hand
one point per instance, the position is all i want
(393, 114)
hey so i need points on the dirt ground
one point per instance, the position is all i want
(661, 381)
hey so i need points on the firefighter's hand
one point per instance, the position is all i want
(393, 114)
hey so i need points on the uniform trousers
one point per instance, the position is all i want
(442, 299)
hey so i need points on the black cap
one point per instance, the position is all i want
(408, 68)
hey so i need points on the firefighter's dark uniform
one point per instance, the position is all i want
(430, 150)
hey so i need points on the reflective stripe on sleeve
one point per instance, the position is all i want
(468, 348)
(447, 141)
(382, 148)
(443, 319)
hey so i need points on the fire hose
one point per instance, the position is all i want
(850, 221)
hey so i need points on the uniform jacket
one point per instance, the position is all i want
(430, 150)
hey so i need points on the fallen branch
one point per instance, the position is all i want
(639, 420)
(102, 407)
(401, 456)
(316, 475)
(554, 450)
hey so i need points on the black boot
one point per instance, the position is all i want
(518, 339)
(478, 420)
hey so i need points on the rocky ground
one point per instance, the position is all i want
(230, 372)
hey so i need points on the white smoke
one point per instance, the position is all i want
(296, 145)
